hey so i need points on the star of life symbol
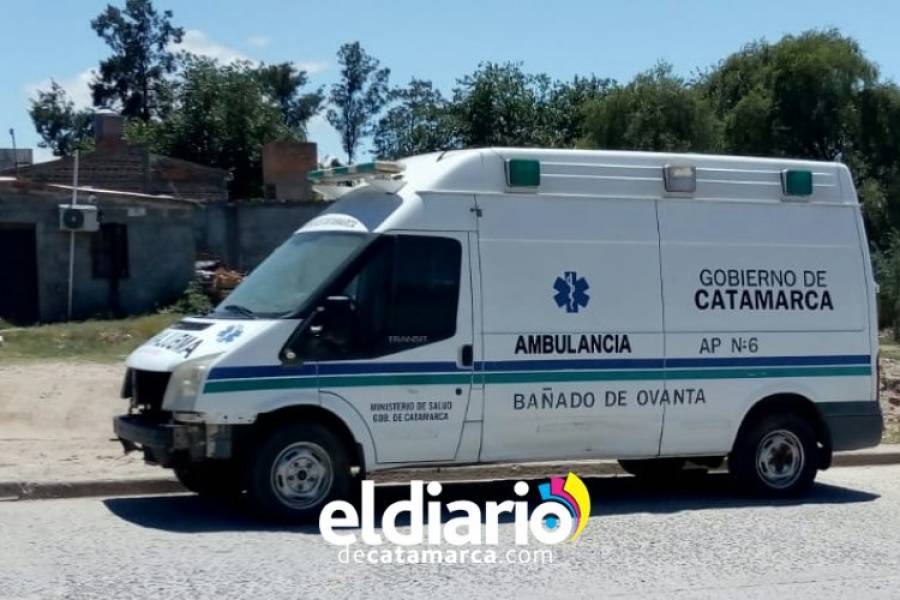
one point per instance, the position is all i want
(571, 292)
(230, 333)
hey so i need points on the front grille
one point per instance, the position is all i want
(148, 389)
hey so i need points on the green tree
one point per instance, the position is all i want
(495, 105)
(221, 117)
(656, 111)
(501, 105)
(815, 95)
(133, 80)
(798, 97)
(283, 83)
(875, 161)
(419, 122)
(358, 97)
(63, 128)
(565, 119)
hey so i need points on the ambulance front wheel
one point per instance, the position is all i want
(296, 470)
(775, 456)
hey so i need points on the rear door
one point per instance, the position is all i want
(572, 319)
(762, 298)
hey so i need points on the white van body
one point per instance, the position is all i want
(606, 317)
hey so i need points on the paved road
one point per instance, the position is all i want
(695, 540)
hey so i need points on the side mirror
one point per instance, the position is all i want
(333, 319)
(338, 304)
(337, 319)
(288, 352)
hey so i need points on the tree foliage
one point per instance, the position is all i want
(497, 104)
(798, 97)
(133, 80)
(358, 97)
(222, 115)
(62, 127)
(566, 117)
(418, 122)
(283, 82)
(501, 105)
(656, 111)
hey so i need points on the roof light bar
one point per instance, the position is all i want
(369, 170)
(680, 178)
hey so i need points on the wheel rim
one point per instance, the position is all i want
(780, 459)
(302, 475)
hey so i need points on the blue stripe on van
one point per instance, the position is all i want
(334, 369)
(571, 364)
(368, 368)
(261, 371)
(770, 361)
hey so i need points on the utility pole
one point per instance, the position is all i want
(72, 236)
(12, 134)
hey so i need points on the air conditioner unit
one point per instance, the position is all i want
(78, 217)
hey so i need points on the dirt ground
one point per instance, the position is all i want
(56, 421)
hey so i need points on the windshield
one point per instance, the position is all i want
(284, 282)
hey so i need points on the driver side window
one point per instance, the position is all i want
(405, 294)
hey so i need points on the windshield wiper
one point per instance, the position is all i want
(241, 310)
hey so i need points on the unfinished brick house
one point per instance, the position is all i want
(116, 165)
(157, 214)
(140, 257)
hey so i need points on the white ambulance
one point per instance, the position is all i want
(506, 304)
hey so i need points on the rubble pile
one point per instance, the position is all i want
(216, 279)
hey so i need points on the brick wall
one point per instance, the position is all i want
(127, 168)
(160, 252)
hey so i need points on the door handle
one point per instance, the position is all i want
(466, 355)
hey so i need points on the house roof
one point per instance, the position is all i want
(84, 191)
(131, 169)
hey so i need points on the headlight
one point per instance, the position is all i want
(186, 383)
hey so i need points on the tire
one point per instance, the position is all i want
(776, 456)
(296, 470)
(653, 469)
(212, 479)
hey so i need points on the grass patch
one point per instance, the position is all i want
(889, 348)
(102, 341)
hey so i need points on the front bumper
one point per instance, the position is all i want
(163, 443)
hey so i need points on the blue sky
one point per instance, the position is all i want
(434, 40)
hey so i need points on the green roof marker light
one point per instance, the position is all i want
(522, 172)
(797, 182)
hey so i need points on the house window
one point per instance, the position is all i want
(109, 251)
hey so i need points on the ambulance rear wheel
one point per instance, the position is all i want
(296, 470)
(653, 469)
(775, 456)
